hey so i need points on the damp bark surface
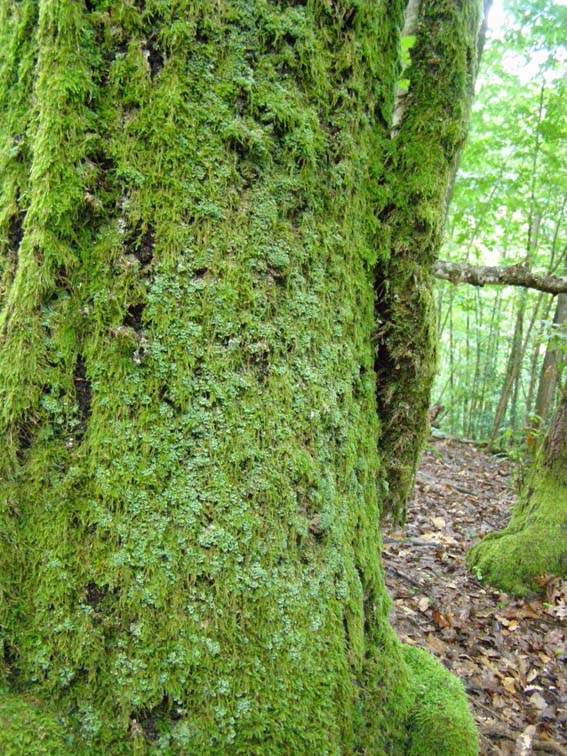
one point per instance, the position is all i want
(190, 221)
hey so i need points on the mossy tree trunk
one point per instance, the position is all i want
(535, 542)
(192, 198)
(431, 124)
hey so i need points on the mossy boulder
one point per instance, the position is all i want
(441, 723)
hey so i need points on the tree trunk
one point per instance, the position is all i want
(189, 556)
(512, 369)
(535, 361)
(534, 544)
(423, 159)
(549, 371)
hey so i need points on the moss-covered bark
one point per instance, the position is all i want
(420, 168)
(189, 557)
(535, 542)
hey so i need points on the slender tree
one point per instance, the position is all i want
(198, 202)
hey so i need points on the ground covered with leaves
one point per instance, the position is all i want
(510, 653)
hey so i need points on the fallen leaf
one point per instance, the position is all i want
(525, 741)
(423, 604)
(441, 620)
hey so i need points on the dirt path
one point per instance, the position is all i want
(512, 655)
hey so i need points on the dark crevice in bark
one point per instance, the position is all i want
(10, 658)
(149, 727)
(105, 166)
(24, 434)
(134, 315)
(278, 277)
(240, 149)
(164, 396)
(16, 232)
(146, 722)
(367, 608)
(94, 595)
(62, 281)
(120, 49)
(346, 632)
(83, 394)
(154, 56)
(140, 244)
(200, 274)
(348, 20)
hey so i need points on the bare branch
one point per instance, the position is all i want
(514, 275)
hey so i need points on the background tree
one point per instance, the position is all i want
(197, 203)
(534, 545)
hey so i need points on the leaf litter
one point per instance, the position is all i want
(510, 653)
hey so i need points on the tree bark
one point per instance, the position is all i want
(423, 157)
(534, 544)
(550, 368)
(189, 537)
(514, 275)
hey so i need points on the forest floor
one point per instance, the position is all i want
(511, 654)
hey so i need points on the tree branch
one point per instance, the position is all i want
(514, 275)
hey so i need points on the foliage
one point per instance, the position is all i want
(508, 207)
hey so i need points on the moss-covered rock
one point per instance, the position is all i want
(441, 723)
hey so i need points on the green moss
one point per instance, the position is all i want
(28, 727)
(441, 722)
(188, 509)
(422, 160)
(535, 542)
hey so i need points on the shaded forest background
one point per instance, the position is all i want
(503, 349)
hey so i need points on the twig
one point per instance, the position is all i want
(503, 733)
(430, 480)
(549, 746)
(400, 574)
(410, 542)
